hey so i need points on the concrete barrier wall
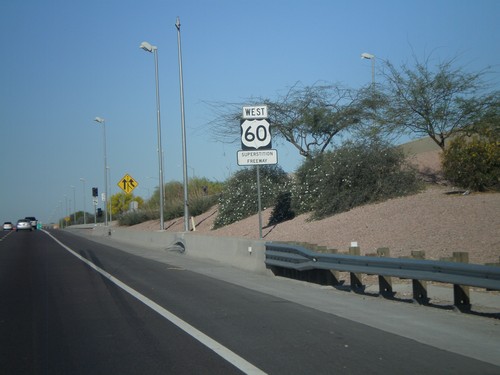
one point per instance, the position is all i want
(245, 254)
(236, 252)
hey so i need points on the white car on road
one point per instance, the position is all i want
(23, 224)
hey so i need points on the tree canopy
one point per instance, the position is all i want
(419, 99)
(120, 202)
(436, 102)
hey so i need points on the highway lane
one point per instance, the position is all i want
(61, 316)
(58, 316)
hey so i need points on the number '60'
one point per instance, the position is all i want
(260, 133)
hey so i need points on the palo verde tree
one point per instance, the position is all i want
(120, 202)
(438, 102)
(308, 117)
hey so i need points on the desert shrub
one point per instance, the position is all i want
(203, 187)
(136, 217)
(282, 210)
(174, 192)
(353, 175)
(202, 204)
(173, 209)
(474, 162)
(238, 199)
(202, 194)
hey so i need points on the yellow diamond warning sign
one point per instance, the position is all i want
(127, 183)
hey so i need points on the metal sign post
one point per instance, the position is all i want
(259, 204)
(95, 210)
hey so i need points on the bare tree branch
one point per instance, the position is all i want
(437, 103)
(308, 117)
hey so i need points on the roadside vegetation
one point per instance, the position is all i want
(352, 175)
(472, 161)
(202, 195)
(238, 199)
(346, 138)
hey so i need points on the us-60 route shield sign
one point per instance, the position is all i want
(255, 135)
(127, 184)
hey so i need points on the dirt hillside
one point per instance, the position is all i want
(439, 221)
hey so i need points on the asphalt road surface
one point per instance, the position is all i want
(74, 306)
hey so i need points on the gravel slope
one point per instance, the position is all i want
(433, 221)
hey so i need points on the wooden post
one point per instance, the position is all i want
(418, 254)
(335, 275)
(356, 278)
(419, 287)
(493, 265)
(461, 293)
(385, 282)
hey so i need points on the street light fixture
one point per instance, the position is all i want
(105, 200)
(153, 49)
(371, 57)
(183, 128)
(84, 205)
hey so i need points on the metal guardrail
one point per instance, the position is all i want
(281, 256)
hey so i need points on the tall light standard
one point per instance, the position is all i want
(153, 49)
(183, 127)
(61, 221)
(74, 204)
(84, 205)
(66, 210)
(371, 57)
(105, 200)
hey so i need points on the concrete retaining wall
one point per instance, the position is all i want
(245, 254)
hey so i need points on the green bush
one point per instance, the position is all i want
(474, 162)
(353, 175)
(238, 200)
(202, 204)
(136, 217)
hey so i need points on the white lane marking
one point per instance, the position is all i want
(210, 343)
(7, 234)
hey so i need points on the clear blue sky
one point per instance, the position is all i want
(65, 62)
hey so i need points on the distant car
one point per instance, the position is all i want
(23, 224)
(8, 226)
(33, 221)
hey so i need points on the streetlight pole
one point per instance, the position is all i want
(84, 205)
(74, 204)
(153, 49)
(66, 210)
(183, 128)
(61, 221)
(105, 200)
(371, 57)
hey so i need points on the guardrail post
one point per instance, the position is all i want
(334, 275)
(461, 296)
(356, 278)
(385, 282)
(419, 287)
(497, 264)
